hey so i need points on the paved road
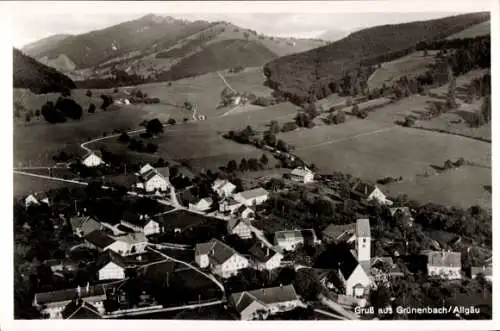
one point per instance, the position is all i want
(84, 147)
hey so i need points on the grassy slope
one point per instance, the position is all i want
(477, 30)
(31, 74)
(295, 72)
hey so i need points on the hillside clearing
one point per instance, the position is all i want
(477, 30)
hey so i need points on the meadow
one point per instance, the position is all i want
(477, 30)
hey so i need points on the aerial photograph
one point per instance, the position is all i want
(251, 165)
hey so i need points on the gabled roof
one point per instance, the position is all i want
(208, 200)
(253, 193)
(264, 296)
(77, 221)
(90, 225)
(262, 254)
(233, 222)
(150, 174)
(404, 210)
(363, 227)
(301, 171)
(80, 309)
(220, 183)
(69, 294)
(96, 153)
(164, 172)
(99, 238)
(110, 256)
(132, 238)
(230, 202)
(216, 250)
(145, 169)
(443, 259)
(339, 231)
(347, 263)
(363, 189)
(293, 234)
(133, 218)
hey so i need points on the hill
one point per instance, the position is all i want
(43, 45)
(481, 29)
(333, 35)
(37, 77)
(221, 55)
(314, 71)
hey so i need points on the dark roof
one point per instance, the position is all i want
(135, 219)
(99, 238)
(79, 309)
(110, 256)
(264, 296)
(262, 254)
(339, 231)
(183, 219)
(233, 222)
(363, 189)
(90, 225)
(164, 171)
(347, 263)
(216, 250)
(68, 294)
(97, 153)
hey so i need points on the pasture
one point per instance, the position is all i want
(24, 185)
(410, 65)
(481, 29)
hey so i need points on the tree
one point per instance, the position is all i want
(171, 121)
(107, 100)
(27, 118)
(451, 96)
(151, 148)
(269, 139)
(91, 109)
(307, 284)
(88, 93)
(243, 165)
(232, 166)
(339, 117)
(69, 108)
(253, 164)
(188, 105)
(264, 160)
(37, 113)
(124, 137)
(226, 96)
(289, 126)
(282, 146)
(274, 127)
(409, 122)
(154, 126)
(185, 119)
(486, 108)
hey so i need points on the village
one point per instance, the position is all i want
(215, 240)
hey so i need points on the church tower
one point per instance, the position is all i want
(363, 240)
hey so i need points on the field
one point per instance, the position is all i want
(477, 30)
(24, 185)
(183, 219)
(410, 65)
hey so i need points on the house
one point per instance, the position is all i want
(354, 276)
(334, 233)
(369, 192)
(363, 240)
(92, 159)
(99, 240)
(246, 213)
(83, 225)
(405, 213)
(36, 199)
(241, 228)
(443, 264)
(56, 265)
(154, 179)
(129, 244)
(80, 309)
(229, 205)
(140, 223)
(265, 301)
(288, 240)
(265, 258)
(302, 175)
(144, 169)
(110, 266)
(52, 304)
(202, 205)
(222, 260)
(223, 188)
(252, 197)
(486, 271)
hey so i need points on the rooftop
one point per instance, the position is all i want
(253, 193)
(294, 234)
(264, 296)
(216, 250)
(338, 231)
(443, 258)
(301, 171)
(363, 227)
(69, 294)
(183, 219)
(99, 238)
(262, 254)
(363, 189)
(80, 309)
(132, 238)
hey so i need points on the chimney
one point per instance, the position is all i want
(78, 290)
(141, 217)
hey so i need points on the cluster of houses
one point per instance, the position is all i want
(152, 179)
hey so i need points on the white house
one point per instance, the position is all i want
(141, 223)
(129, 244)
(223, 188)
(354, 275)
(202, 205)
(265, 258)
(92, 159)
(36, 199)
(222, 260)
(83, 225)
(252, 197)
(370, 192)
(288, 240)
(246, 213)
(265, 301)
(154, 180)
(302, 175)
(239, 227)
(110, 266)
(443, 264)
(486, 271)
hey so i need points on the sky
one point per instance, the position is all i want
(296, 19)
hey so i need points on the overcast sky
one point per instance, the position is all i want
(293, 19)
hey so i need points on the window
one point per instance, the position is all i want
(364, 240)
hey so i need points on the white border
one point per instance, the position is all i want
(13, 9)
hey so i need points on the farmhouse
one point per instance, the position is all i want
(53, 303)
(246, 213)
(404, 213)
(37, 199)
(334, 233)
(92, 159)
(302, 175)
(353, 275)
(252, 197)
(140, 223)
(443, 264)
(264, 258)
(369, 192)
(229, 205)
(110, 266)
(83, 225)
(99, 240)
(223, 188)
(80, 309)
(241, 228)
(288, 240)
(129, 244)
(268, 301)
(151, 179)
(202, 205)
(222, 260)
